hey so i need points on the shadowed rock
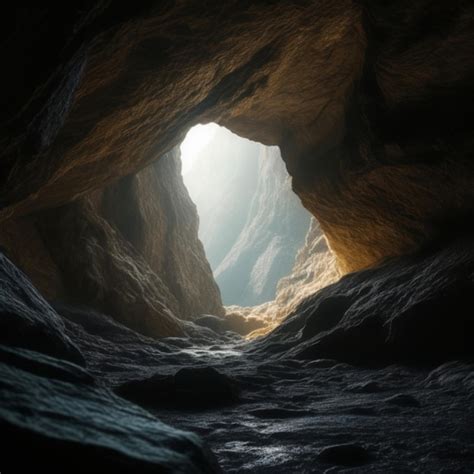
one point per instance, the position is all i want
(403, 400)
(395, 312)
(27, 320)
(63, 423)
(230, 322)
(345, 455)
(188, 388)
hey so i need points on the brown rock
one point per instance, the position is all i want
(369, 103)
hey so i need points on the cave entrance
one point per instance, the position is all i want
(251, 222)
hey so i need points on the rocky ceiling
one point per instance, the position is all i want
(370, 104)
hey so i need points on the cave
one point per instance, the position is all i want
(117, 350)
(251, 223)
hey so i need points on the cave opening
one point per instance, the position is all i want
(251, 223)
(115, 343)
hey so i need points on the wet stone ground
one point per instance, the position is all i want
(266, 414)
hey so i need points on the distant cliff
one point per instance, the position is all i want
(251, 222)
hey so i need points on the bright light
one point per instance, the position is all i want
(196, 139)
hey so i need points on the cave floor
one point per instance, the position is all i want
(296, 416)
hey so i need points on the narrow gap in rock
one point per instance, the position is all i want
(251, 224)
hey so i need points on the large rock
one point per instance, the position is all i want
(58, 424)
(414, 310)
(189, 388)
(313, 269)
(376, 130)
(153, 211)
(131, 250)
(27, 320)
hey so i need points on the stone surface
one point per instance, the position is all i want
(59, 424)
(290, 410)
(265, 250)
(410, 309)
(370, 103)
(153, 212)
(130, 250)
(187, 388)
(235, 322)
(373, 126)
(27, 320)
(345, 455)
(375, 129)
(313, 269)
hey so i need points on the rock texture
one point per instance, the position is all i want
(413, 309)
(283, 403)
(130, 250)
(63, 419)
(154, 213)
(27, 320)
(251, 222)
(368, 102)
(56, 412)
(371, 105)
(265, 249)
(314, 268)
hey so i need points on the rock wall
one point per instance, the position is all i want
(221, 182)
(153, 211)
(372, 123)
(314, 268)
(266, 247)
(369, 103)
(251, 222)
(411, 309)
(130, 250)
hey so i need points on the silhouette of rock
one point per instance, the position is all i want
(395, 312)
(27, 320)
(345, 454)
(188, 388)
(63, 423)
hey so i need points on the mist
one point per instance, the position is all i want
(251, 222)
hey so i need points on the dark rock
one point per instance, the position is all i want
(330, 311)
(230, 322)
(59, 424)
(365, 387)
(345, 454)
(268, 413)
(205, 386)
(322, 363)
(393, 313)
(45, 366)
(215, 323)
(452, 373)
(27, 320)
(403, 400)
(188, 388)
(361, 411)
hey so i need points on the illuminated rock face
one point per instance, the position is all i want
(265, 249)
(371, 105)
(130, 250)
(375, 128)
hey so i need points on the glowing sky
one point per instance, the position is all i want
(196, 139)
